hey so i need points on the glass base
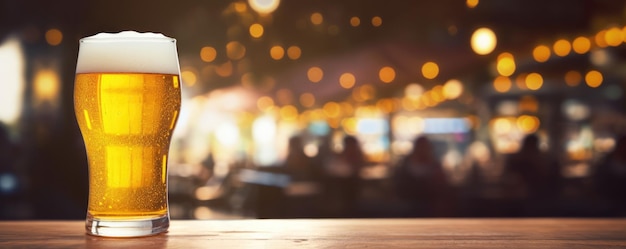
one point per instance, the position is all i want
(127, 228)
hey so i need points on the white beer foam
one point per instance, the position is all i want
(128, 52)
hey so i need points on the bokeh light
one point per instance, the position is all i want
(54, 37)
(264, 6)
(573, 78)
(347, 80)
(593, 78)
(315, 74)
(452, 89)
(505, 64)
(208, 54)
(483, 41)
(534, 81)
(541, 53)
(235, 50)
(581, 45)
(387, 74)
(294, 52)
(502, 84)
(317, 18)
(430, 70)
(377, 21)
(562, 47)
(277, 52)
(256, 30)
(355, 21)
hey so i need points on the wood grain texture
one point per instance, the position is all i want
(333, 233)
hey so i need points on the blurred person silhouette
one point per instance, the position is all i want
(536, 174)
(343, 181)
(303, 189)
(421, 182)
(609, 178)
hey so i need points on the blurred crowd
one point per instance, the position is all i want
(333, 184)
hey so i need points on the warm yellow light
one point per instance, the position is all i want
(483, 41)
(593, 78)
(614, 37)
(505, 64)
(47, 85)
(541, 53)
(527, 123)
(387, 74)
(452, 89)
(332, 109)
(347, 80)
(264, 6)
(189, 77)
(502, 125)
(277, 52)
(430, 70)
(471, 3)
(235, 50)
(307, 100)
(562, 47)
(264, 103)
(315, 74)
(349, 125)
(208, 54)
(256, 30)
(573, 78)
(355, 21)
(413, 91)
(377, 21)
(294, 52)
(386, 105)
(54, 37)
(240, 7)
(317, 18)
(502, 84)
(600, 39)
(289, 112)
(581, 45)
(534, 81)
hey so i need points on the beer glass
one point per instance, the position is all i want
(126, 100)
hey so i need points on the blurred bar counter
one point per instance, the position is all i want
(334, 233)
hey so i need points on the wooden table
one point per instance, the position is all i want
(333, 233)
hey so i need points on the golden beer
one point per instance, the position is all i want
(126, 99)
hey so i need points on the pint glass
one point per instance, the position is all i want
(126, 101)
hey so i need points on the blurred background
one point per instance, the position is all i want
(320, 108)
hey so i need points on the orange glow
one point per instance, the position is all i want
(235, 50)
(317, 18)
(347, 80)
(520, 81)
(289, 112)
(430, 70)
(377, 21)
(502, 84)
(613, 37)
(307, 100)
(47, 85)
(366, 92)
(256, 30)
(264, 103)
(527, 123)
(189, 77)
(387, 74)
(581, 45)
(541, 53)
(528, 103)
(54, 37)
(501, 125)
(505, 64)
(471, 3)
(315, 74)
(355, 21)
(224, 70)
(332, 109)
(573, 78)
(277, 52)
(240, 7)
(452, 89)
(349, 125)
(208, 54)
(534, 81)
(600, 39)
(483, 41)
(593, 78)
(386, 105)
(294, 52)
(562, 47)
